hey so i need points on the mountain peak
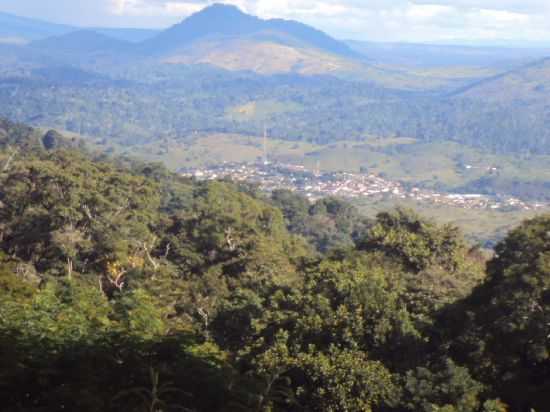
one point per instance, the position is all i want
(224, 20)
(219, 13)
(221, 8)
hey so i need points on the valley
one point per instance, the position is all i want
(443, 166)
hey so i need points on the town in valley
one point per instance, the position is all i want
(315, 184)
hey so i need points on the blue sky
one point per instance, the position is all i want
(388, 20)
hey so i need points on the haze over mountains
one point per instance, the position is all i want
(221, 36)
(449, 55)
(82, 42)
(15, 29)
(224, 36)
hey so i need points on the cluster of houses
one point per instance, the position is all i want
(316, 185)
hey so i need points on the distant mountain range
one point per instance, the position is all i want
(220, 35)
(22, 29)
(224, 37)
(218, 22)
(83, 42)
(15, 29)
(440, 55)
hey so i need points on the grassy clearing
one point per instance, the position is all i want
(204, 150)
(260, 110)
(480, 226)
(446, 165)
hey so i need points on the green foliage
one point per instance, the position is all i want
(494, 406)
(328, 223)
(343, 380)
(417, 243)
(138, 315)
(123, 286)
(449, 388)
(505, 332)
(51, 140)
(323, 109)
(232, 230)
(63, 207)
(439, 267)
(64, 312)
(17, 280)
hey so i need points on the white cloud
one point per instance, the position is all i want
(153, 8)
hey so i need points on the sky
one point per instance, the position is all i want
(377, 20)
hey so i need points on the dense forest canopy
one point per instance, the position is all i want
(126, 287)
(320, 109)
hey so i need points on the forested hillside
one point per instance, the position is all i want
(126, 287)
(115, 104)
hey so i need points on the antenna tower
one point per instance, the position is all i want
(265, 146)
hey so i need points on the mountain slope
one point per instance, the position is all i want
(224, 20)
(263, 57)
(528, 84)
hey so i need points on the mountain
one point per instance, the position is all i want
(82, 42)
(228, 21)
(25, 29)
(220, 36)
(16, 29)
(440, 55)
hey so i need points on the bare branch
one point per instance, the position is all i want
(205, 319)
(7, 165)
(69, 268)
(229, 239)
(87, 212)
(167, 250)
(118, 282)
(147, 249)
(121, 208)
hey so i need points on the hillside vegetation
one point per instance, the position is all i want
(124, 286)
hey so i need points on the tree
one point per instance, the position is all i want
(504, 334)
(51, 139)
